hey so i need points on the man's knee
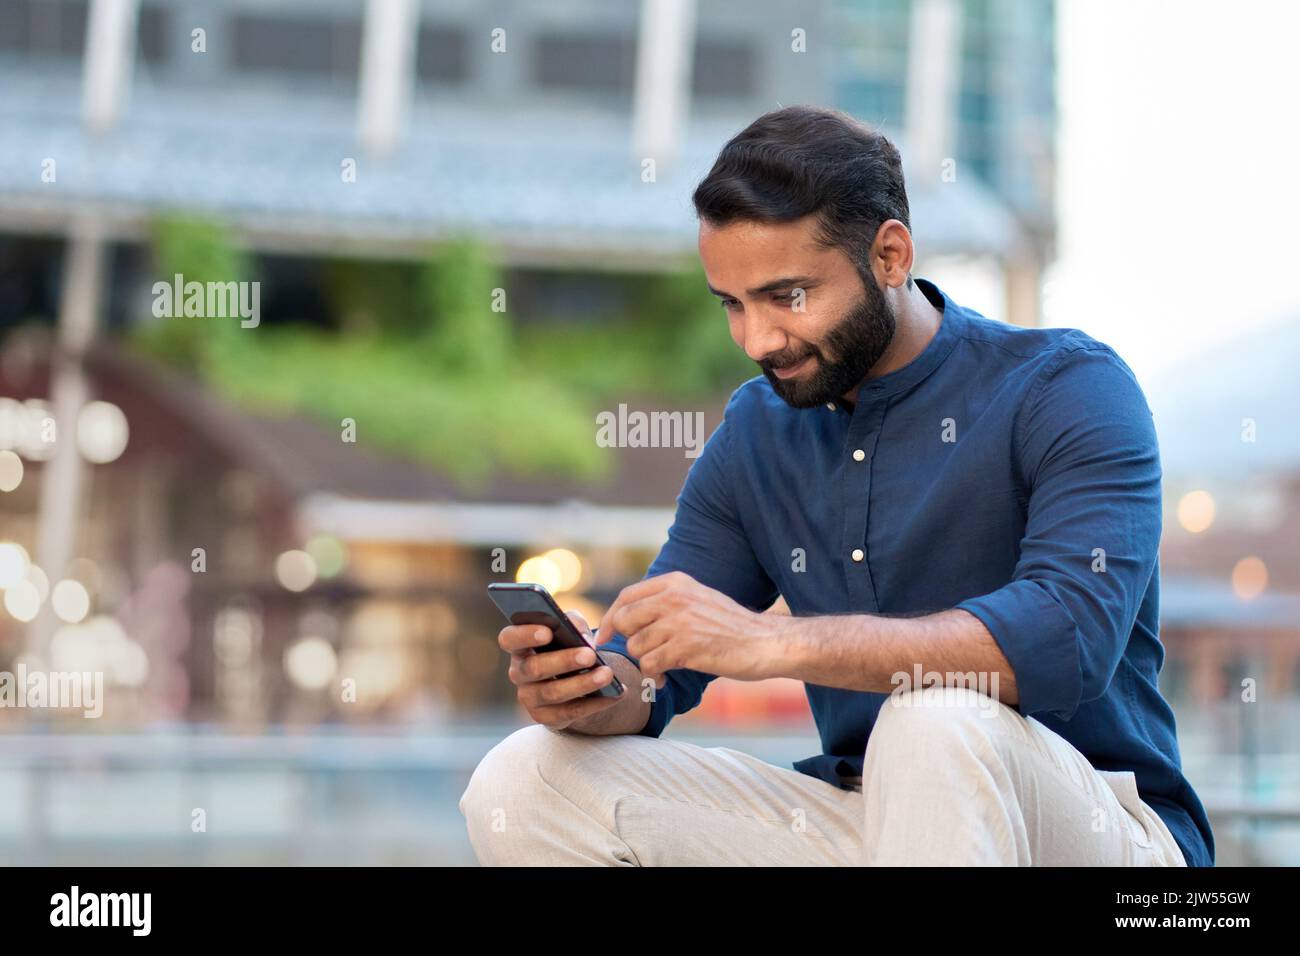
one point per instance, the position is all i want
(511, 765)
(936, 719)
(526, 799)
(531, 757)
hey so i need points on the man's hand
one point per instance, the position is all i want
(672, 621)
(556, 703)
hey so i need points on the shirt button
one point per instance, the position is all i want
(857, 554)
(831, 406)
(859, 454)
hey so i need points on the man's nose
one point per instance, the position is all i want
(762, 338)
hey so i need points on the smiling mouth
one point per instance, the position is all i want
(792, 370)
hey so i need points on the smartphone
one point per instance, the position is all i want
(533, 604)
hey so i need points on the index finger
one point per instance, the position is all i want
(629, 595)
(517, 638)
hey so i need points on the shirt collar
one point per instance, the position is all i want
(938, 348)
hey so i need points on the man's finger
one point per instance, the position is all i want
(521, 638)
(537, 667)
(550, 692)
(658, 677)
(639, 616)
(571, 710)
(629, 595)
(605, 630)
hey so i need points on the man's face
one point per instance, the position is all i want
(797, 308)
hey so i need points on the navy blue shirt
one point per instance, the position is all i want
(1010, 472)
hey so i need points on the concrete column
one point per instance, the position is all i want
(662, 99)
(933, 72)
(63, 475)
(109, 61)
(387, 73)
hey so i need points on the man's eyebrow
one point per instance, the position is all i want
(788, 282)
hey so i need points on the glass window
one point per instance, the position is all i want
(442, 54)
(151, 35)
(304, 45)
(724, 68)
(48, 27)
(594, 62)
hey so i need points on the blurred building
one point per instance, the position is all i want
(319, 127)
(257, 561)
(969, 88)
(566, 135)
(1230, 449)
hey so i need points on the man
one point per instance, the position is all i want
(963, 517)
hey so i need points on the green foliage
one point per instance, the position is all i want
(462, 332)
(199, 251)
(675, 344)
(430, 371)
(465, 425)
(702, 356)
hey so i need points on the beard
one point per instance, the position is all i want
(843, 359)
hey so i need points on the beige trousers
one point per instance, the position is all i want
(951, 778)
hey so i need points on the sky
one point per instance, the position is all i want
(1179, 198)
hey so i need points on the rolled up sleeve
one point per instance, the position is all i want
(707, 542)
(1087, 450)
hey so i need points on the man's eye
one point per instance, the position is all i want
(730, 304)
(783, 297)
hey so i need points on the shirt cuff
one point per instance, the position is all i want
(1040, 641)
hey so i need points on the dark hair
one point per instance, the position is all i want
(800, 160)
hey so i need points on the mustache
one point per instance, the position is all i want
(787, 359)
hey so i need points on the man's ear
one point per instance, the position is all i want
(893, 252)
